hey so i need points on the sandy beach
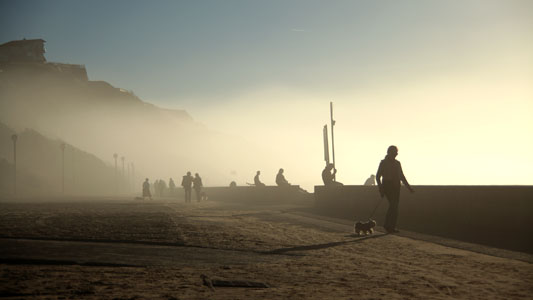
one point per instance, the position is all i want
(131, 249)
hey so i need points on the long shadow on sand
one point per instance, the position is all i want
(322, 246)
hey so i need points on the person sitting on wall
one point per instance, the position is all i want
(371, 180)
(280, 179)
(328, 177)
(258, 182)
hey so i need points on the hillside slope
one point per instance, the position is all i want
(103, 120)
(40, 167)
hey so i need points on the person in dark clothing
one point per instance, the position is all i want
(280, 179)
(389, 178)
(146, 189)
(197, 186)
(186, 183)
(329, 178)
(257, 181)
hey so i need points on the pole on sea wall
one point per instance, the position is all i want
(332, 137)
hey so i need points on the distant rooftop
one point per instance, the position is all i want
(23, 42)
(23, 51)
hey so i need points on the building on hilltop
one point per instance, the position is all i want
(30, 54)
(23, 51)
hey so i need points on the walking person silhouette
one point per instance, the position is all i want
(389, 178)
(186, 183)
(197, 186)
(146, 189)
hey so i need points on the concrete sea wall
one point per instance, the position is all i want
(499, 216)
(259, 195)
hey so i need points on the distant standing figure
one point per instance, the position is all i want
(328, 177)
(171, 186)
(258, 182)
(371, 180)
(146, 189)
(197, 186)
(280, 179)
(388, 177)
(155, 187)
(186, 183)
(162, 187)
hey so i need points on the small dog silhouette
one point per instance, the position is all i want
(365, 228)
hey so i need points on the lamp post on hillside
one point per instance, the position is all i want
(14, 139)
(63, 167)
(122, 158)
(115, 156)
(133, 176)
(128, 179)
(73, 151)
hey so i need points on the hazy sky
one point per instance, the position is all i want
(449, 82)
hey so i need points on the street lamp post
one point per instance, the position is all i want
(63, 167)
(133, 175)
(128, 179)
(122, 158)
(14, 139)
(74, 169)
(115, 156)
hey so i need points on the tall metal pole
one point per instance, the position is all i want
(63, 168)
(115, 156)
(73, 169)
(128, 179)
(133, 176)
(123, 176)
(332, 137)
(14, 138)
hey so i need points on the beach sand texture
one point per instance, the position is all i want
(130, 249)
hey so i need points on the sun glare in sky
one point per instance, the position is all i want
(449, 82)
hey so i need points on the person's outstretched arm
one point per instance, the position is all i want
(404, 180)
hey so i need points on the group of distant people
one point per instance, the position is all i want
(389, 178)
(188, 183)
(280, 179)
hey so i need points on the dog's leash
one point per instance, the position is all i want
(376, 208)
